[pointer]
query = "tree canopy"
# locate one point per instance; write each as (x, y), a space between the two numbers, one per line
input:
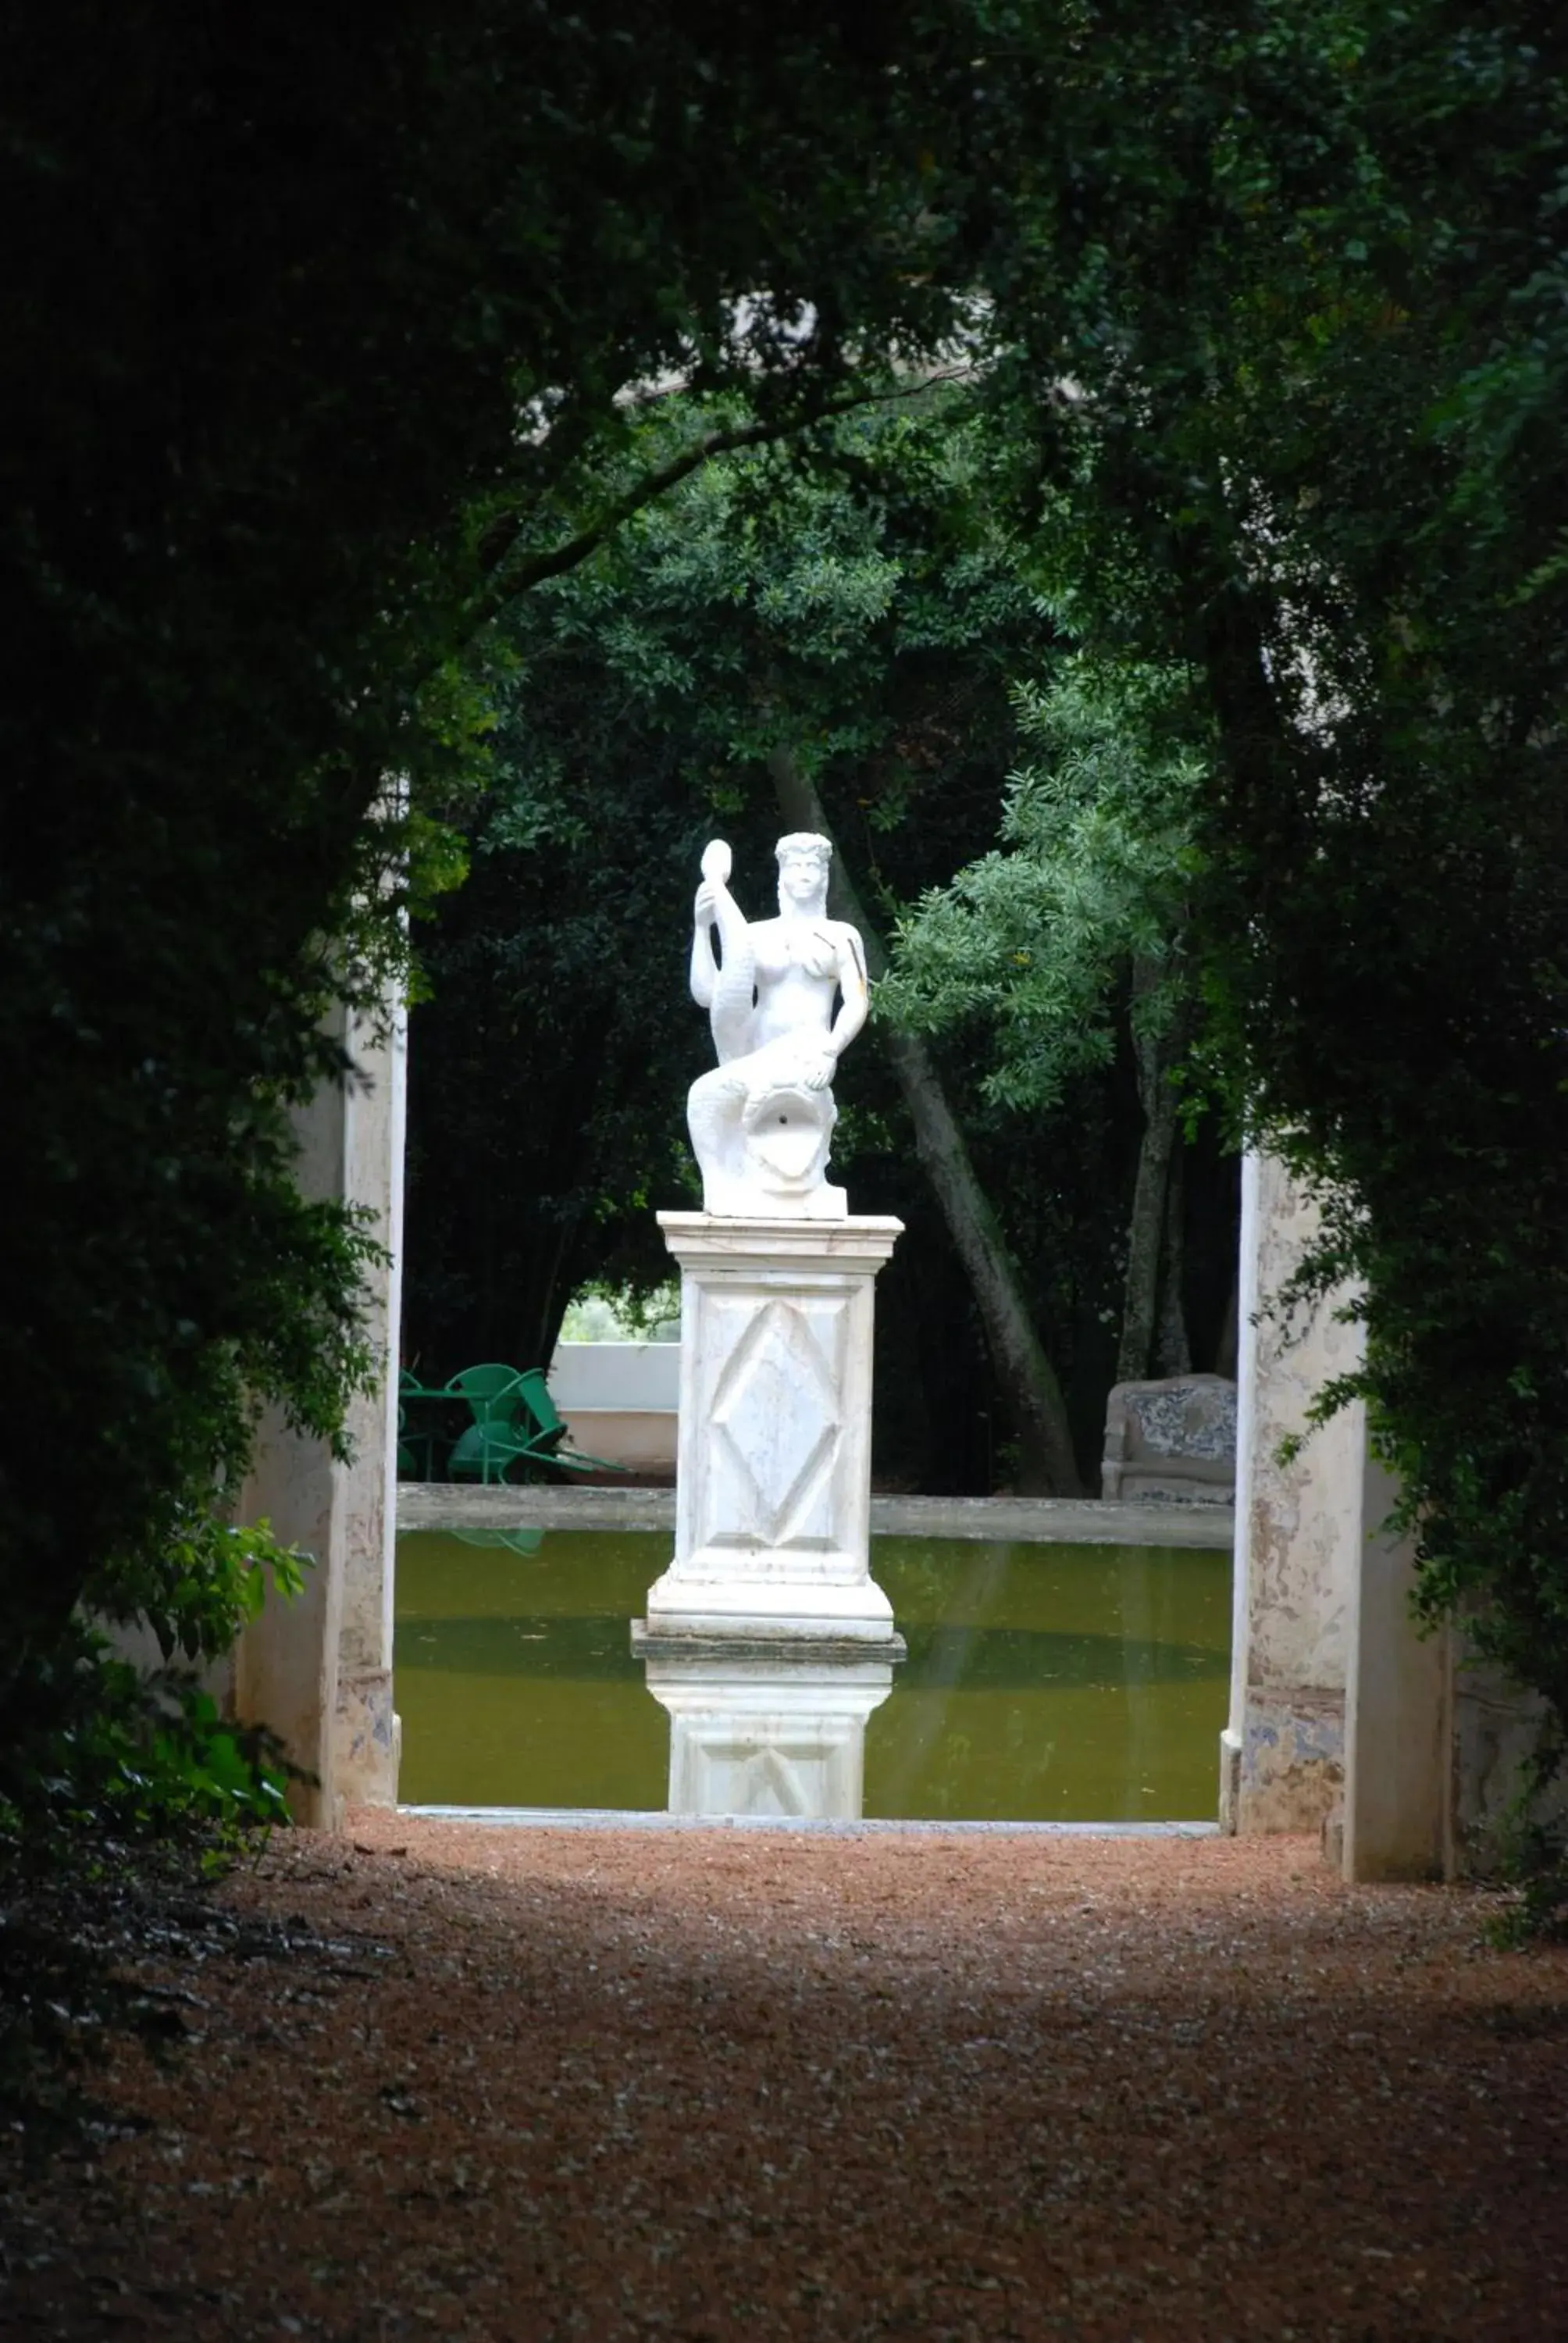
(851, 605)
(1304, 315)
(305, 334)
(323, 345)
(309, 324)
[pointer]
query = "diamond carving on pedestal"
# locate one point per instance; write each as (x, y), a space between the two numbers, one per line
(775, 1413)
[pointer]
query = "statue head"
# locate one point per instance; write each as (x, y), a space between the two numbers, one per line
(804, 859)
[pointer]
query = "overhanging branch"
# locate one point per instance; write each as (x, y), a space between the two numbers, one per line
(509, 579)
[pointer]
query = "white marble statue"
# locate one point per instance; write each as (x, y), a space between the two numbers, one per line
(762, 1123)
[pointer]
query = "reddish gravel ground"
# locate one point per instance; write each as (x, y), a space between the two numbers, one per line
(709, 2085)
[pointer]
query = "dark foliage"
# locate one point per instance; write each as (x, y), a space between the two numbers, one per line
(857, 595)
(1302, 307)
(307, 322)
(307, 325)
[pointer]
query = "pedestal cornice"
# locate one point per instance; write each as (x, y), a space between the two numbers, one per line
(801, 1243)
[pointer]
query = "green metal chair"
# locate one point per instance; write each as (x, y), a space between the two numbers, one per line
(418, 1442)
(488, 1452)
(516, 1423)
(502, 1432)
(490, 1391)
(552, 1428)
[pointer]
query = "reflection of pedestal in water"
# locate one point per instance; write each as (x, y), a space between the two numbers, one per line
(784, 1736)
(773, 1478)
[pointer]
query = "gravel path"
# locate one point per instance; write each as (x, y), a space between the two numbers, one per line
(489, 2084)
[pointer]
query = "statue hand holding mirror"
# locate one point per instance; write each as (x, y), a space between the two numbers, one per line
(762, 1122)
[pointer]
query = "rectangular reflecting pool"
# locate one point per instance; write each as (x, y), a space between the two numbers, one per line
(1044, 1683)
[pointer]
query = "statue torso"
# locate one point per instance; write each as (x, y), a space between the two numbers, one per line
(796, 962)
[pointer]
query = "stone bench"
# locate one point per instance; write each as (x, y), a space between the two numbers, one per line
(1172, 1442)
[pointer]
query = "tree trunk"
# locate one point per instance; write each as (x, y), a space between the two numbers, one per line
(1140, 1311)
(1228, 1351)
(1141, 1294)
(1172, 1347)
(1028, 1391)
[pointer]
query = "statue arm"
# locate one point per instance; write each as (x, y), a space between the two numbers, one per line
(855, 1002)
(849, 973)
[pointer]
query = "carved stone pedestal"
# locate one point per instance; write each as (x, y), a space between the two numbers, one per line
(784, 1736)
(773, 1477)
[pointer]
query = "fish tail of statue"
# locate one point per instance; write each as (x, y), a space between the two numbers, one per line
(731, 1011)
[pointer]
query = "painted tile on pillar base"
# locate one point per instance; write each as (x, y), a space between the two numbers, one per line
(1287, 1767)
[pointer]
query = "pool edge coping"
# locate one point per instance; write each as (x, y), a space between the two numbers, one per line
(642, 1818)
(445, 1508)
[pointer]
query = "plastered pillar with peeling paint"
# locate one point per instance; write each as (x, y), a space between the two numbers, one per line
(1339, 1705)
(1298, 1532)
(1398, 1725)
(318, 1670)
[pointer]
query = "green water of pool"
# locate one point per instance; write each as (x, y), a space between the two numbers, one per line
(1044, 1683)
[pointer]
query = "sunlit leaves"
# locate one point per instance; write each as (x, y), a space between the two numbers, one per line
(1032, 943)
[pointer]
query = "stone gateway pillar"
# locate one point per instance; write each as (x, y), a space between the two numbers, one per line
(1298, 1533)
(1341, 1716)
(318, 1670)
